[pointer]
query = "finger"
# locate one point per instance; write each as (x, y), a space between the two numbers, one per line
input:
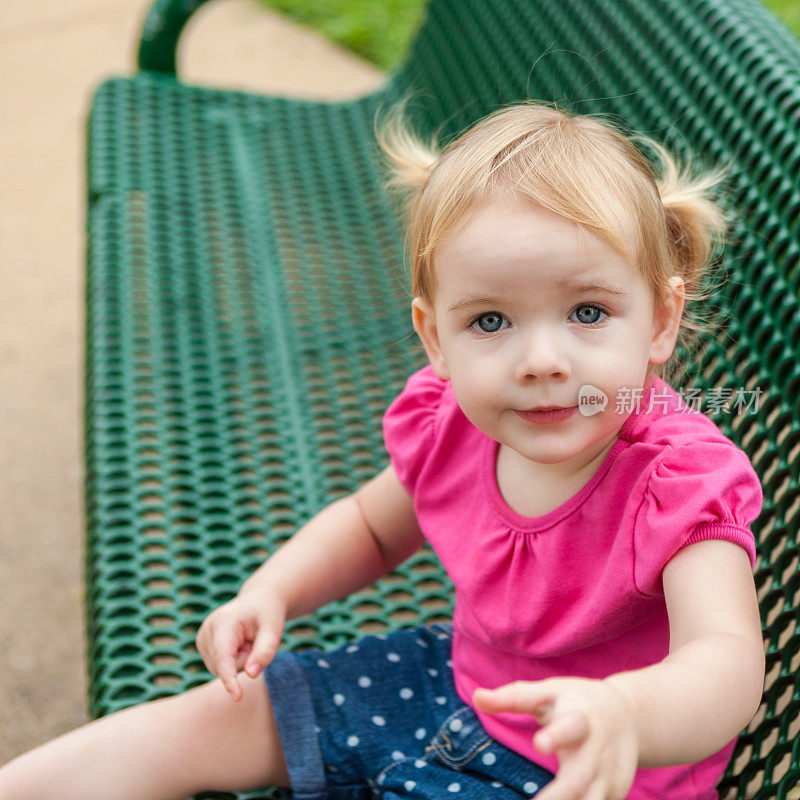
(226, 645)
(242, 655)
(204, 654)
(524, 696)
(567, 729)
(228, 639)
(201, 640)
(264, 649)
(205, 646)
(227, 674)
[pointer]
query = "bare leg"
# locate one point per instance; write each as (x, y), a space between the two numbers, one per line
(163, 750)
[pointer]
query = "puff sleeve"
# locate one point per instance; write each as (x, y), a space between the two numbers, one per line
(702, 490)
(409, 423)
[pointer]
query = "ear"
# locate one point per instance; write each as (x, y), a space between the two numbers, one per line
(425, 325)
(666, 323)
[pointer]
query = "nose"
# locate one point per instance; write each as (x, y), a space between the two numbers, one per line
(542, 356)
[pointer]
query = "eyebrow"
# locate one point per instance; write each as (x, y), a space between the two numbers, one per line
(578, 288)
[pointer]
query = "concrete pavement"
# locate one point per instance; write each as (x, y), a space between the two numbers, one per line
(52, 56)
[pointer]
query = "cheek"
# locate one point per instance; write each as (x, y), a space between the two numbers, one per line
(469, 363)
(620, 357)
(474, 389)
(481, 374)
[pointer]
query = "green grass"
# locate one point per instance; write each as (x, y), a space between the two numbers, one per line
(788, 11)
(377, 30)
(381, 30)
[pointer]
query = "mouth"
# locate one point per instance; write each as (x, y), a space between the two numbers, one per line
(548, 408)
(548, 414)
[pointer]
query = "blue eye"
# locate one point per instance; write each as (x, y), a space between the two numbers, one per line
(492, 321)
(488, 323)
(590, 318)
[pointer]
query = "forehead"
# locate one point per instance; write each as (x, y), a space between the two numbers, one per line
(511, 241)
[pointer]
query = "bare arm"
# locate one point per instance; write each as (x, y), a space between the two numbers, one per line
(345, 547)
(691, 704)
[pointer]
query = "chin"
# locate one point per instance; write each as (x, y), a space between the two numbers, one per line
(547, 455)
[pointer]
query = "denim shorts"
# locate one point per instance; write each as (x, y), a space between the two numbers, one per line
(381, 718)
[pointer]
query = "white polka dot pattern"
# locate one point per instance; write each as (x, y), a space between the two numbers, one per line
(372, 692)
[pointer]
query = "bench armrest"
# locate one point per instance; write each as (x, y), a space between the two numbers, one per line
(162, 27)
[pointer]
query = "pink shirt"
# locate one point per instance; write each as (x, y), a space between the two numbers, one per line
(576, 591)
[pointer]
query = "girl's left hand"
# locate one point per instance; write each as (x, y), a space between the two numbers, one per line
(588, 724)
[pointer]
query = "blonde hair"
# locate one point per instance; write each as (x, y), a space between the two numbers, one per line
(578, 166)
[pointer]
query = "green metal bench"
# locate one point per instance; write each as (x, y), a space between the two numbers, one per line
(249, 321)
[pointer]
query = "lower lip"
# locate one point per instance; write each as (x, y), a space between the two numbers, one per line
(548, 417)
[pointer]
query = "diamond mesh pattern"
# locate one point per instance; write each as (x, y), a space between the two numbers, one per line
(248, 314)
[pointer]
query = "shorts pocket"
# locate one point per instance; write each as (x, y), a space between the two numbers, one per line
(460, 738)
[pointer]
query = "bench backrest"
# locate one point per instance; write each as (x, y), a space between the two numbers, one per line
(248, 313)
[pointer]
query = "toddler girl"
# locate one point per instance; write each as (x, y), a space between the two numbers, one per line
(606, 641)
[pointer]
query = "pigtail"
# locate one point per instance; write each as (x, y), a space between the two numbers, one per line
(408, 162)
(696, 230)
(407, 158)
(696, 223)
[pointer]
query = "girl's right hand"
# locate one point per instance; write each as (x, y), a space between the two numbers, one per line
(242, 635)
